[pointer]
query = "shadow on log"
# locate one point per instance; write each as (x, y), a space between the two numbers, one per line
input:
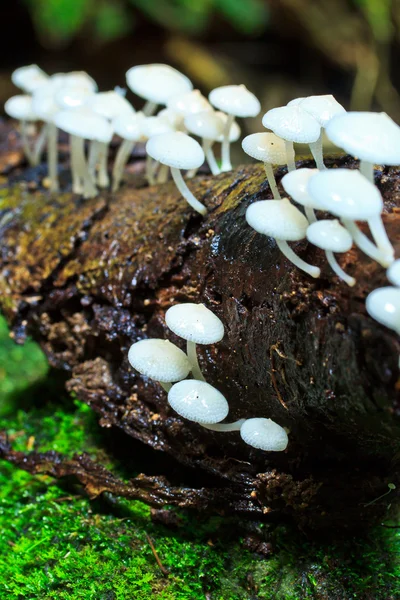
(87, 278)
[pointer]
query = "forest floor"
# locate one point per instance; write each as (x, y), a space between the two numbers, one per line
(56, 543)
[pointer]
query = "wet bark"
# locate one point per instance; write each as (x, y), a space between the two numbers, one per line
(86, 278)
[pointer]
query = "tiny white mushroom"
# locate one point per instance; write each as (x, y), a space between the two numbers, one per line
(349, 195)
(264, 434)
(159, 360)
(235, 101)
(20, 107)
(210, 127)
(393, 273)
(269, 149)
(156, 83)
(292, 124)
(188, 103)
(198, 401)
(178, 151)
(383, 305)
(196, 324)
(323, 108)
(79, 79)
(153, 126)
(29, 78)
(332, 237)
(295, 183)
(129, 127)
(284, 222)
(374, 138)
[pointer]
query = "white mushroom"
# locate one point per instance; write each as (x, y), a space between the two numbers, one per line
(292, 124)
(264, 434)
(284, 222)
(153, 126)
(349, 195)
(79, 79)
(81, 124)
(156, 83)
(332, 237)
(29, 78)
(198, 401)
(374, 138)
(209, 127)
(323, 108)
(295, 183)
(196, 324)
(269, 149)
(383, 305)
(393, 273)
(188, 103)
(20, 107)
(159, 360)
(129, 127)
(178, 151)
(235, 101)
(45, 106)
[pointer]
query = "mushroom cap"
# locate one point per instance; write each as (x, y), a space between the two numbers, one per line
(206, 124)
(29, 78)
(266, 147)
(295, 101)
(235, 100)
(156, 126)
(72, 96)
(346, 193)
(295, 183)
(393, 273)
(44, 103)
(109, 105)
(84, 123)
(189, 103)
(373, 137)
(159, 360)
(264, 434)
(329, 235)
(79, 79)
(157, 82)
(278, 219)
(176, 149)
(195, 323)
(235, 131)
(198, 401)
(383, 305)
(323, 108)
(129, 126)
(173, 118)
(293, 124)
(20, 107)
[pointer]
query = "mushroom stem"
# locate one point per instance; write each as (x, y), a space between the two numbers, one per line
(77, 181)
(338, 269)
(165, 386)
(210, 157)
(296, 260)
(310, 214)
(364, 243)
(25, 144)
(191, 173)
(124, 151)
(380, 236)
(194, 361)
(224, 427)
(225, 150)
(291, 165)
(162, 175)
(150, 170)
(269, 172)
(89, 189)
(149, 108)
(94, 151)
(367, 169)
(186, 193)
(102, 176)
(52, 156)
(316, 151)
(40, 144)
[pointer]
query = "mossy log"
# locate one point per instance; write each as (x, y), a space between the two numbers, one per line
(86, 278)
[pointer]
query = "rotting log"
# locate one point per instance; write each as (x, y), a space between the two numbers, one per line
(86, 278)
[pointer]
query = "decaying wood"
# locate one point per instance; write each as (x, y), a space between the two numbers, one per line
(86, 278)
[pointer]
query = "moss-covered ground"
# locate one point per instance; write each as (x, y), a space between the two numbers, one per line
(55, 543)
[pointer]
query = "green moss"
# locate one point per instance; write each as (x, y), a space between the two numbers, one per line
(55, 543)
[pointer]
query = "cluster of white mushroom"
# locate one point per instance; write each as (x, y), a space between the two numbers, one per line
(71, 102)
(195, 399)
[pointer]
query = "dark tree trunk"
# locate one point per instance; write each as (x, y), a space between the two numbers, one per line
(86, 278)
